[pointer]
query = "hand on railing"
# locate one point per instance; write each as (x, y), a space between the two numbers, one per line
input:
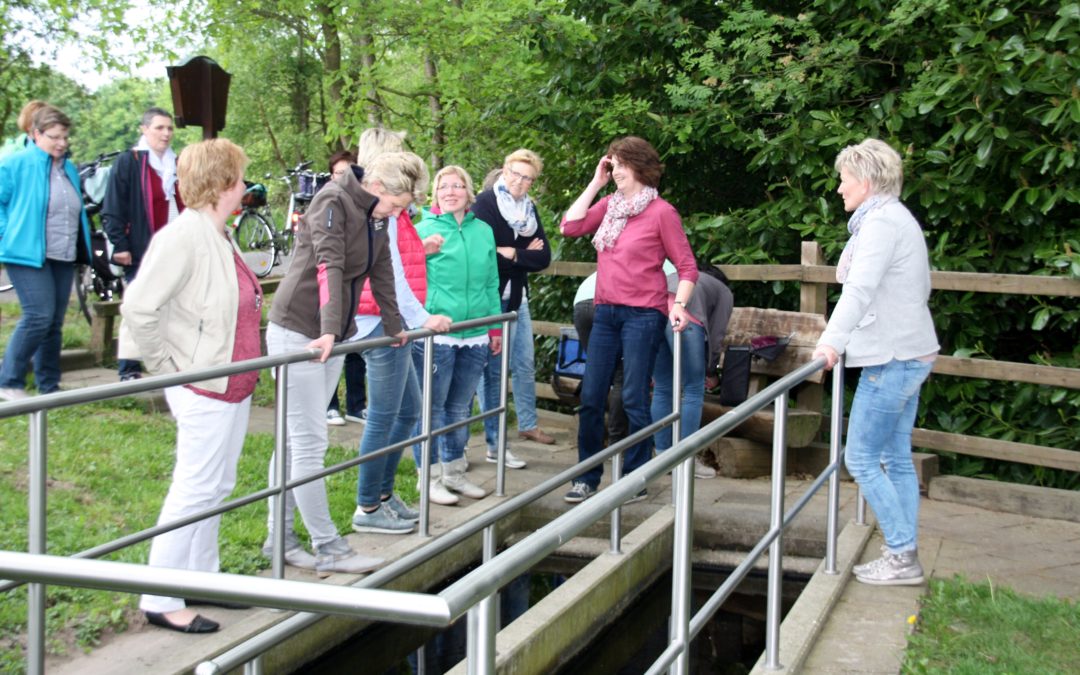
(438, 323)
(828, 353)
(324, 344)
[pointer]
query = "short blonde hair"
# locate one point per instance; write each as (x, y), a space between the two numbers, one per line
(457, 171)
(875, 161)
(208, 168)
(527, 156)
(398, 172)
(375, 141)
(26, 115)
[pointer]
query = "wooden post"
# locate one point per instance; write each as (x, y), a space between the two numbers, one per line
(813, 299)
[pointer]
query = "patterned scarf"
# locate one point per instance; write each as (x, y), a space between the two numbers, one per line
(855, 223)
(619, 209)
(519, 214)
(165, 166)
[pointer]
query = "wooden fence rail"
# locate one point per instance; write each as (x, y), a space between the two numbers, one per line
(814, 279)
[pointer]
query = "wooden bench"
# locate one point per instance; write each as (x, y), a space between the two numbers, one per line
(747, 451)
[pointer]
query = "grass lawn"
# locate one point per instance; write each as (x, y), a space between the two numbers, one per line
(971, 629)
(109, 469)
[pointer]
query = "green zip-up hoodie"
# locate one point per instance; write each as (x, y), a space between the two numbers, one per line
(463, 277)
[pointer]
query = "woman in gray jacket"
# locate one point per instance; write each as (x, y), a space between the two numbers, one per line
(883, 324)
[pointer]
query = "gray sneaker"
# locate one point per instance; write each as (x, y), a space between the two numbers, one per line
(338, 556)
(404, 512)
(579, 492)
(893, 569)
(382, 520)
(862, 569)
(295, 554)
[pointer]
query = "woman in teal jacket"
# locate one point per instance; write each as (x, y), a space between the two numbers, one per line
(463, 283)
(44, 233)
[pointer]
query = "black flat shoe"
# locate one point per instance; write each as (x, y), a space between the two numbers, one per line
(200, 624)
(207, 602)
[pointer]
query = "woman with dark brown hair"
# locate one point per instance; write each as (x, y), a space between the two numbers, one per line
(634, 230)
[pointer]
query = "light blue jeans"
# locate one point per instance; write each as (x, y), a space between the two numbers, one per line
(693, 382)
(453, 384)
(393, 411)
(522, 374)
(878, 453)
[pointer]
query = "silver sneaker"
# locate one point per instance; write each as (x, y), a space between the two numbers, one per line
(338, 556)
(13, 394)
(863, 568)
(512, 461)
(404, 512)
(893, 569)
(295, 554)
(382, 520)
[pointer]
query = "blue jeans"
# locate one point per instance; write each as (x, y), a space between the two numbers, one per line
(693, 381)
(522, 374)
(632, 333)
(878, 453)
(43, 294)
(453, 384)
(392, 416)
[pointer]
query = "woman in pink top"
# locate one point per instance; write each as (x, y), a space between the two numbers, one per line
(634, 230)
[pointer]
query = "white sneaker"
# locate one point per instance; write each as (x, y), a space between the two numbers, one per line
(512, 462)
(703, 470)
(453, 479)
(359, 419)
(334, 418)
(437, 494)
(12, 394)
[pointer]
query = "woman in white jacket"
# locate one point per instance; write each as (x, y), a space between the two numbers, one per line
(196, 304)
(883, 324)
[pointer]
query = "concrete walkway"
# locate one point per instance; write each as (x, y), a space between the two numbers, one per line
(836, 626)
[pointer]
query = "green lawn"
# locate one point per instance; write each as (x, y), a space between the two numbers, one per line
(109, 469)
(973, 629)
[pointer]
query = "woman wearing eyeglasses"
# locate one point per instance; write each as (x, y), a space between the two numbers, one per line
(521, 247)
(462, 283)
(44, 233)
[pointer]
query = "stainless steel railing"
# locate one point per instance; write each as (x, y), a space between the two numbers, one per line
(37, 409)
(475, 593)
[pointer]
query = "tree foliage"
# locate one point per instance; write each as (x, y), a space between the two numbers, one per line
(748, 103)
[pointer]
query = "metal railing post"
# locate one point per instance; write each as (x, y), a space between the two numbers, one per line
(504, 361)
(836, 439)
(860, 507)
(776, 523)
(37, 540)
(683, 495)
(254, 666)
(425, 445)
(281, 467)
(616, 513)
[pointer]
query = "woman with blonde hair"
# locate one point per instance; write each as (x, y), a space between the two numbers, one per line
(882, 323)
(196, 305)
(341, 242)
(463, 283)
(521, 247)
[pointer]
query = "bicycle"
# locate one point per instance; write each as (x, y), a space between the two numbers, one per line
(97, 277)
(261, 242)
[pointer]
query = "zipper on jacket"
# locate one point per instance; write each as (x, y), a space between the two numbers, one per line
(198, 339)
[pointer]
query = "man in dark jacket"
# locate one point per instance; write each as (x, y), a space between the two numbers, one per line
(142, 198)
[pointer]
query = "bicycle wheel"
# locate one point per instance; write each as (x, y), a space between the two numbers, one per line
(256, 242)
(84, 285)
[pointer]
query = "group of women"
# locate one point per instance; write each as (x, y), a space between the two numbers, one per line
(363, 270)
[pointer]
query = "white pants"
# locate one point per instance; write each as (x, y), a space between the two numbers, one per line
(310, 386)
(209, 438)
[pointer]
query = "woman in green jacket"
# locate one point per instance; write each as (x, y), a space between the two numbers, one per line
(463, 283)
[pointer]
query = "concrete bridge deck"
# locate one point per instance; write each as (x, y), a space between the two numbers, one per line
(835, 627)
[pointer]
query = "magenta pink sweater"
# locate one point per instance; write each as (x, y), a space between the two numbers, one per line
(631, 272)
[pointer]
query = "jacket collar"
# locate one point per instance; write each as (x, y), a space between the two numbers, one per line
(364, 200)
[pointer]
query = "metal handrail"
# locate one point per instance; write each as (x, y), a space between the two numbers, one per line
(474, 593)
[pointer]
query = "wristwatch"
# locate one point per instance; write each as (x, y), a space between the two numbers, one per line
(680, 303)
